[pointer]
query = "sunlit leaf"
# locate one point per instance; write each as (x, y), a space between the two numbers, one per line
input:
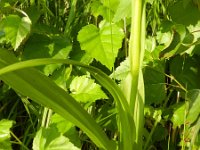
(61, 75)
(16, 29)
(85, 90)
(67, 128)
(98, 9)
(112, 4)
(178, 114)
(101, 43)
(123, 10)
(122, 71)
(5, 126)
(51, 139)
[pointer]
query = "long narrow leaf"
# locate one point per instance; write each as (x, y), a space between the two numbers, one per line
(32, 83)
(122, 105)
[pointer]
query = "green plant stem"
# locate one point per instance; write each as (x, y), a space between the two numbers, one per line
(18, 140)
(46, 117)
(135, 48)
(136, 52)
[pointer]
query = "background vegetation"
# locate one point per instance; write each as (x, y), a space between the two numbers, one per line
(68, 100)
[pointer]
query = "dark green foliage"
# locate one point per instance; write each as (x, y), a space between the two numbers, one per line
(96, 33)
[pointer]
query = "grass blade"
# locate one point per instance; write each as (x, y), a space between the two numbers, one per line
(126, 120)
(32, 83)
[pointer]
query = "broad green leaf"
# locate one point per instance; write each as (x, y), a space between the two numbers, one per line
(111, 4)
(150, 43)
(101, 43)
(188, 15)
(194, 105)
(5, 126)
(61, 75)
(32, 83)
(182, 42)
(160, 133)
(43, 46)
(97, 8)
(154, 80)
(33, 13)
(85, 89)
(164, 38)
(51, 139)
(80, 55)
(123, 10)
(61, 123)
(185, 70)
(178, 114)
(122, 71)
(66, 128)
(195, 32)
(16, 29)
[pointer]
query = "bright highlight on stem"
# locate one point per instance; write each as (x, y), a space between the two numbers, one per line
(136, 50)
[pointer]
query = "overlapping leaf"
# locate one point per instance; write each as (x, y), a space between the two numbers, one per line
(123, 10)
(51, 139)
(43, 46)
(101, 43)
(122, 71)
(66, 128)
(16, 29)
(85, 90)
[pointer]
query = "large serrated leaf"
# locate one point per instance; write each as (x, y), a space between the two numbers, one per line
(16, 29)
(101, 43)
(122, 71)
(51, 139)
(85, 89)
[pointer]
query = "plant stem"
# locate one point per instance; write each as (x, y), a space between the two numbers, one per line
(136, 52)
(18, 141)
(135, 48)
